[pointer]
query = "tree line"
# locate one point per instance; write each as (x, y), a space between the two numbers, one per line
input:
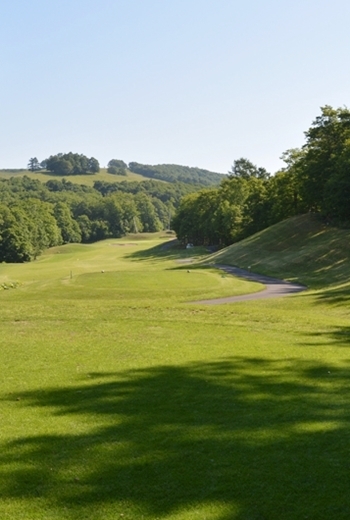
(316, 178)
(175, 172)
(66, 164)
(78, 164)
(35, 216)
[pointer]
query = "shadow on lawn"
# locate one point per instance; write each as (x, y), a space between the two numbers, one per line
(336, 296)
(266, 440)
(339, 336)
(169, 252)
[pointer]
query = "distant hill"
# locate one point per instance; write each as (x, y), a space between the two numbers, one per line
(87, 180)
(301, 248)
(177, 173)
(136, 172)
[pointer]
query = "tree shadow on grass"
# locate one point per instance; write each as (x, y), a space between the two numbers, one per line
(334, 296)
(339, 336)
(252, 438)
(177, 252)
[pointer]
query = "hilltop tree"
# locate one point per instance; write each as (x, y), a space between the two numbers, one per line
(71, 164)
(117, 167)
(93, 165)
(33, 164)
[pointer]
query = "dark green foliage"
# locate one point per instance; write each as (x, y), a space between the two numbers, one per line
(245, 169)
(33, 164)
(117, 167)
(38, 217)
(69, 228)
(148, 214)
(195, 219)
(164, 191)
(56, 185)
(93, 165)
(322, 166)
(85, 226)
(15, 244)
(26, 229)
(284, 198)
(22, 187)
(238, 208)
(316, 178)
(174, 172)
(71, 164)
(41, 215)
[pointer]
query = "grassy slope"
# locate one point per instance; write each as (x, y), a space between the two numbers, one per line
(121, 400)
(87, 180)
(300, 249)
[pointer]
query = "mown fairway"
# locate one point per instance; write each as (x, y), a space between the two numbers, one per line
(121, 400)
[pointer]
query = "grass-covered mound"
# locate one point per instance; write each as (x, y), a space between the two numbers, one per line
(303, 249)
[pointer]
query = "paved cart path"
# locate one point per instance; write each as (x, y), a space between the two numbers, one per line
(274, 288)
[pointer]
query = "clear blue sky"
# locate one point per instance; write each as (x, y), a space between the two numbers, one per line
(192, 82)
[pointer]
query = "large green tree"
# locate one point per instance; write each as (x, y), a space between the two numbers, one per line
(69, 228)
(117, 167)
(245, 169)
(38, 217)
(148, 214)
(71, 164)
(323, 168)
(33, 164)
(15, 239)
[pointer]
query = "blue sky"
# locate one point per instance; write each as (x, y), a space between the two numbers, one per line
(192, 82)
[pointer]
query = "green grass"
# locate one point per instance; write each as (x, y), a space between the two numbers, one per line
(298, 249)
(87, 180)
(119, 399)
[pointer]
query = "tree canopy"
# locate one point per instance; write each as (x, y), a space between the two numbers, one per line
(177, 173)
(33, 164)
(323, 165)
(245, 169)
(117, 167)
(34, 216)
(316, 178)
(71, 164)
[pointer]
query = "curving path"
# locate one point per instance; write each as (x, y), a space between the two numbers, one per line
(274, 288)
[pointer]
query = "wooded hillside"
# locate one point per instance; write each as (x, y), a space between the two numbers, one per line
(316, 178)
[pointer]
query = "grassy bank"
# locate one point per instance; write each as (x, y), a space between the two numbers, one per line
(121, 400)
(302, 248)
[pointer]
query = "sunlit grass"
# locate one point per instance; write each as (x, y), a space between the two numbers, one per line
(302, 248)
(119, 399)
(87, 180)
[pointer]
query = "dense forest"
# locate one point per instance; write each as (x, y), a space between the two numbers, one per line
(35, 216)
(174, 172)
(316, 178)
